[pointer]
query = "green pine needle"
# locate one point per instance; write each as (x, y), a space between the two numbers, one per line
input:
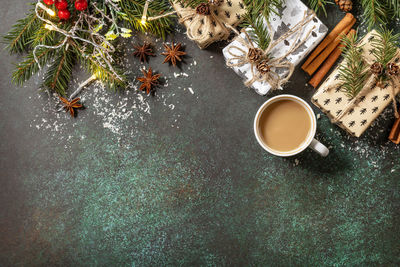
(19, 37)
(354, 72)
(192, 3)
(133, 11)
(28, 67)
(262, 7)
(30, 32)
(59, 73)
(258, 31)
(385, 46)
(319, 5)
(256, 11)
(380, 12)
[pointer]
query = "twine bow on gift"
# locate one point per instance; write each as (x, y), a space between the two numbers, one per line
(263, 66)
(392, 71)
(202, 19)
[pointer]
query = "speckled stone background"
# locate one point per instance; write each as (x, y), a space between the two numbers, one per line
(178, 179)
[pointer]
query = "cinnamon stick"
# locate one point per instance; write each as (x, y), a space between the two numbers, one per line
(329, 38)
(314, 65)
(394, 135)
(329, 62)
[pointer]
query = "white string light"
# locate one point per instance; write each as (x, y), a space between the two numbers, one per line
(48, 10)
(144, 16)
(102, 48)
(103, 51)
(144, 19)
(161, 16)
(49, 27)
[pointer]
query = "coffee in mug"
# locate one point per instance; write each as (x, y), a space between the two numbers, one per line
(285, 125)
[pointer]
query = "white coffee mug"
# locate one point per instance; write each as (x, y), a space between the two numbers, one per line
(310, 141)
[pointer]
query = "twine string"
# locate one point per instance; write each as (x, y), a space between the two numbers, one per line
(196, 21)
(274, 79)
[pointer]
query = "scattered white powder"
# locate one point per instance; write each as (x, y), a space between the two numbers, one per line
(182, 74)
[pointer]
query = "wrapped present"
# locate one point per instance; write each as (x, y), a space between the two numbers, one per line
(356, 114)
(207, 22)
(294, 31)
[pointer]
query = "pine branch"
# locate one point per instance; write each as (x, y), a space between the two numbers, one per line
(60, 71)
(353, 73)
(257, 30)
(262, 7)
(385, 46)
(133, 11)
(375, 12)
(18, 38)
(99, 69)
(395, 6)
(380, 12)
(43, 37)
(192, 3)
(319, 5)
(257, 11)
(28, 67)
(106, 76)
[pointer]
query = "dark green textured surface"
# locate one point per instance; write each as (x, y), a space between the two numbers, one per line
(186, 184)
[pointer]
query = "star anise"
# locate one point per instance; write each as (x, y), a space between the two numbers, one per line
(173, 53)
(71, 105)
(148, 80)
(143, 51)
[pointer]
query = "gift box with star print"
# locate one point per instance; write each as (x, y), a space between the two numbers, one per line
(332, 100)
(291, 13)
(206, 23)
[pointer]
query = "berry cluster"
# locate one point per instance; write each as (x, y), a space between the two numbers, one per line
(62, 6)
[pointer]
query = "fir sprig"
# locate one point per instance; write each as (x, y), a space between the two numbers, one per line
(395, 6)
(353, 73)
(19, 37)
(258, 12)
(106, 18)
(192, 3)
(384, 45)
(257, 30)
(384, 50)
(133, 11)
(262, 7)
(319, 5)
(25, 69)
(380, 11)
(59, 73)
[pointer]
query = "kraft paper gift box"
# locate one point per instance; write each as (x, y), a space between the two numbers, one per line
(332, 100)
(207, 29)
(287, 17)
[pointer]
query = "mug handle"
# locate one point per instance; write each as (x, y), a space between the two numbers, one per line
(319, 148)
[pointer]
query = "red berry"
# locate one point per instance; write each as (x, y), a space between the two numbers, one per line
(64, 14)
(61, 4)
(81, 5)
(48, 2)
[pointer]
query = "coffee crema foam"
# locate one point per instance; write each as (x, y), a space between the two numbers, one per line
(284, 125)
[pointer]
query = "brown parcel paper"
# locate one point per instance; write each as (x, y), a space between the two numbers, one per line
(332, 100)
(229, 11)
